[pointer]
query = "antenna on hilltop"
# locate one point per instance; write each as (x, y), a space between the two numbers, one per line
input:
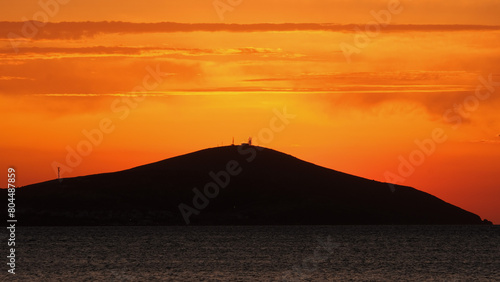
(233, 142)
(58, 172)
(250, 141)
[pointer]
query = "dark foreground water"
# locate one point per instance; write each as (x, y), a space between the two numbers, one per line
(255, 253)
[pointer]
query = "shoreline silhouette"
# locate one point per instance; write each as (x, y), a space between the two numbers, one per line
(231, 185)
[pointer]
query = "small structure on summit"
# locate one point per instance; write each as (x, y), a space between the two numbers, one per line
(249, 142)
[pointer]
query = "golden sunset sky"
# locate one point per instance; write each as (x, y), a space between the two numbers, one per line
(370, 83)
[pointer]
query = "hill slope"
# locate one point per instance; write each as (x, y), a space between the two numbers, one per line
(234, 185)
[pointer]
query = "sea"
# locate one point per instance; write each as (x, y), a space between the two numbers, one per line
(255, 253)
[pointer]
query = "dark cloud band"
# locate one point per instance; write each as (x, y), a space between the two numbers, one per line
(76, 30)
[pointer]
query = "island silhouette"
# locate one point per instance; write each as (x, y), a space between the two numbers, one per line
(231, 185)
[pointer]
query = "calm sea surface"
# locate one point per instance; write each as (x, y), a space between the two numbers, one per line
(255, 253)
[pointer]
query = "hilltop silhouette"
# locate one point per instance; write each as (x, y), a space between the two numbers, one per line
(235, 185)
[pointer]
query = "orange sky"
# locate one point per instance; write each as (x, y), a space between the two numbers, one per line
(209, 76)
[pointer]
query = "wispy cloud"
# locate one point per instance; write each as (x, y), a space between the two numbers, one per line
(5, 77)
(134, 51)
(486, 141)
